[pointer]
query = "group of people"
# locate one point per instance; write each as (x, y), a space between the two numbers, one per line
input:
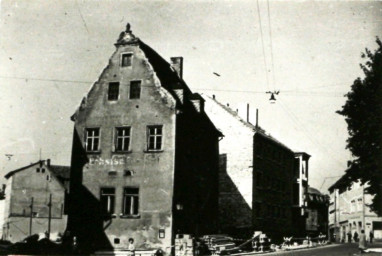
(355, 237)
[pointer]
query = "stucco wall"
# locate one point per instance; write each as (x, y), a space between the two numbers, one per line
(153, 173)
(235, 174)
(26, 184)
(349, 211)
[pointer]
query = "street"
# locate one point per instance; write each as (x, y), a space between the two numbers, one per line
(335, 250)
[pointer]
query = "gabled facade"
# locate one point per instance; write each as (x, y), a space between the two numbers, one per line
(27, 195)
(316, 213)
(144, 157)
(349, 211)
(255, 177)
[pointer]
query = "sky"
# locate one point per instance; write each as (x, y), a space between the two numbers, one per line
(52, 51)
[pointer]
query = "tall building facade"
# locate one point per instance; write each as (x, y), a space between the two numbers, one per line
(300, 192)
(255, 176)
(145, 155)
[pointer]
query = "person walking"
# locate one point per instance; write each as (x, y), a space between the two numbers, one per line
(356, 236)
(371, 236)
(362, 242)
(349, 237)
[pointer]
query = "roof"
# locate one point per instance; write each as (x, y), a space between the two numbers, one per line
(342, 182)
(9, 174)
(255, 129)
(61, 172)
(166, 74)
(312, 190)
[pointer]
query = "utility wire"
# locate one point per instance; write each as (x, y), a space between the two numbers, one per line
(262, 44)
(306, 132)
(271, 44)
(287, 92)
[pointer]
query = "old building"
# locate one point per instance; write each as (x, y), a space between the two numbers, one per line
(256, 176)
(349, 210)
(144, 157)
(316, 213)
(35, 201)
(300, 192)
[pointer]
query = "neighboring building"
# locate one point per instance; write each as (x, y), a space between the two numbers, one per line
(300, 192)
(255, 177)
(349, 210)
(316, 213)
(26, 209)
(144, 158)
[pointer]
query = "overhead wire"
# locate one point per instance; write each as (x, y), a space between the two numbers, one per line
(271, 44)
(262, 44)
(290, 92)
(306, 132)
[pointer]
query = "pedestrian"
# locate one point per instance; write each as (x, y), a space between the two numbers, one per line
(349, 237)
(371, 236)
(362, 242)
(131, 247)
(355, 236)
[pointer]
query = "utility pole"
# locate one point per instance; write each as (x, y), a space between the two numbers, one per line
(31, 217)
(363, 208)
(50, 214)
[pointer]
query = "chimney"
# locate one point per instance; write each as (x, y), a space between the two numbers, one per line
(48, 162)
(177, 64)
(257, 118)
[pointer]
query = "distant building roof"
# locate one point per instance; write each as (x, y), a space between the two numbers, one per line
(312, 190)
(61, 172)
(341, 183)
(254, 128)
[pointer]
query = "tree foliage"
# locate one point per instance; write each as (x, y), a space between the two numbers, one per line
(363, 115)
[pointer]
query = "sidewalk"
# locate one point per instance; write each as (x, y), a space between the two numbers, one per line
(376, 246)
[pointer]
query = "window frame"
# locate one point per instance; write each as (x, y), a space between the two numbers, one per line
(131, 59)
(86, 140)
(131, 90)
(108, 91)
(148, 136)
(113, 203)
(129, 215)
(116, 150)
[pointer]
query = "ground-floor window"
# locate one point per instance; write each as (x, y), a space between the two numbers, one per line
(131, 201)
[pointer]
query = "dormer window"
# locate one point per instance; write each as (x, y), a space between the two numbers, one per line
(113, 91)
(126, 59)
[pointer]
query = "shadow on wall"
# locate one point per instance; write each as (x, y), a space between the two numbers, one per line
(235, 215)
(85, 219)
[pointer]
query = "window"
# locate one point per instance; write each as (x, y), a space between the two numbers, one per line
(130, 201)
(122, 141)
(360, 204)
(352, 206)
(126, 59)
(113, 91)
(107, 200)
(154, 137)
(92, 139)
(135, 89)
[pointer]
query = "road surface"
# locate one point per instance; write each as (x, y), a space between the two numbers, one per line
(329, 250)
